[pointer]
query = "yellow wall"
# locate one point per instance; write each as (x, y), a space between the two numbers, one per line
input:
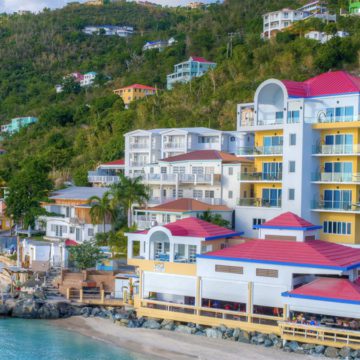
(353, 188)
(168, 267)
(334, 131)
(259, 136)
(258, 188)
(354, 219)
(337, 125)
(260, 160)
(353, 159)
(129, 94)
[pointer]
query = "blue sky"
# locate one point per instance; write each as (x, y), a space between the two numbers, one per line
(36, 5)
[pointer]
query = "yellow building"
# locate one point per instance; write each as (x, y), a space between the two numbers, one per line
(134, 92)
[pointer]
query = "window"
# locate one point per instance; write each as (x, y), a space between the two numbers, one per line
(230, 170)
(279, 115)
(209, 194)
(192, 253)
(72, 230)
(271, 197)
(179, 170)
(90, 232)
(180, 193)
(178, 217)
(67, 212)
(229, 269)
(197, 194)
(267, 273)
(163, 170)
(232, 138)
(197, 170)
(230, 194)
(337, 199)
(257, 221)
(337, 228)
(291, 194)
(206, 248)
(291, 166)
(292, 140)
(293, 117)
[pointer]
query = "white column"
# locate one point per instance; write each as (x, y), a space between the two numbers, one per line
(130, 249)
(172, 252)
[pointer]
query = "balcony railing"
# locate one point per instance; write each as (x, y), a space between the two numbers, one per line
(336, 177)
(137, 163)
(258, 202)
(174, 145)
(140, 146)
(182, 178)
(335, 206)
(337, 149)
(103, 179)
(259, 176)
(265, 122)
(260, 150)
(333, 119)
(207, 200)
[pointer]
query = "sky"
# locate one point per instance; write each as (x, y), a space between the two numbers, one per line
(37, 5)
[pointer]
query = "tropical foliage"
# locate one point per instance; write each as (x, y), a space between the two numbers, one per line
(85, 255)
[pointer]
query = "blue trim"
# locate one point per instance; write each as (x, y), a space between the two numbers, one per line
(320, 298)
(224, 236)
(279, 263)
(314, 227)
(320, 96)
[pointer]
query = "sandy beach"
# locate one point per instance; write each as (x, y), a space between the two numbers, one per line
(162, 344)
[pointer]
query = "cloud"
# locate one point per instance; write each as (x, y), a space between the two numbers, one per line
(38, 5)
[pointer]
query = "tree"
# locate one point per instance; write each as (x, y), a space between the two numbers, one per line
(71, 86)
(85, 255)
(216, 219)
(127, 192)
(27, 188)
(101, 209)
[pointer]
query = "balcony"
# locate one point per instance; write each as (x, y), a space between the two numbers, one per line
(330, 177)
(174, 145)
(260, 151)
(207, 200)
(260, 177)
(95, 178)
(258, 202)
(140, 146)
(343, 149)
(137, 163)
(207, 179)
(335, 206)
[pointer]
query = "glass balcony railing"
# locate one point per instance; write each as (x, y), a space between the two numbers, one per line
(336, 177)
(259, 176)
(258, 202)
(260, 150)
(335, 206)
(336, 149)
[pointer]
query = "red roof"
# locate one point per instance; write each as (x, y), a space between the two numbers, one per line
(330, 83)
(139, 86)
(115, 162)
(207, 155)
(328, 289)
(201, 59)
(314, 253)
(69, 242)
(288, 220)
(194, 227)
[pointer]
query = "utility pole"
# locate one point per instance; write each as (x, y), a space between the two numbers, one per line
(231, 36)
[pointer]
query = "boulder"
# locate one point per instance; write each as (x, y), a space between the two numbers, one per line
(185, 329)
(168, 325)
(200, 333)
(151, 324)
(268, 343)
(236, 334)
(86, 311)
(331, 352)
(49, 311)
(260, 339)
(213, 333)
(319, 349)
(274, 338)
(345, 352)
(244, 337)
(292, 345)
(95, 311)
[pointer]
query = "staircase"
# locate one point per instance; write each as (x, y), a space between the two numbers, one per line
(52, 292)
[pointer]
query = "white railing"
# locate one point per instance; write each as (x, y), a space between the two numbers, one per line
(182, 178)
(137, 163)
(140, 146)
(261, 150)
(174, 145)
(337, 177)
(337, 149)
(103, 179)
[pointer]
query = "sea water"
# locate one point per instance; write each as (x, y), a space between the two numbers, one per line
(39, 340)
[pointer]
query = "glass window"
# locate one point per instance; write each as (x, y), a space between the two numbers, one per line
(292, 140)
(337, 227)
(291, 166)
(293, 117)
(230, 195)
(291, 194)
(230, 170)
(197, 193)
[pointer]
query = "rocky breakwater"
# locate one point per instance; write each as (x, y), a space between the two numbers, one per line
(129, 319)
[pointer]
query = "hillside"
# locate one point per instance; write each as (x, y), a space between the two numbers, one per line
(76, 131)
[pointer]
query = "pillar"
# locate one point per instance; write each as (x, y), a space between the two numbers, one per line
(102, 293)
(68, 293)
(249, 305)
(81, 294)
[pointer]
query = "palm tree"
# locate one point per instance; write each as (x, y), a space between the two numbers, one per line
(101, 209)
(127, 192)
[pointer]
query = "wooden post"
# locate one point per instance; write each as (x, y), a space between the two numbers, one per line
(81, 294)
(141, 284)
(102, 292)
(285, 314)
(198, 295)
(249, 307)
(68, 293)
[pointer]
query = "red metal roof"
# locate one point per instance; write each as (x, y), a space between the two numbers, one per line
(115, 162)
(139, 86)
(200, 59)
(328, 288)
(316, 253)
(69, 242)
(288, 220)
(194, 227)
(207, 155)
(330, 83)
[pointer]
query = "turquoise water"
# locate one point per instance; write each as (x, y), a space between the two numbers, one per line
(39, 340)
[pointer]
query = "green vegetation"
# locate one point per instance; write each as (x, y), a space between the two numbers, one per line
(80, 128)
(85, 255)
(215, 219)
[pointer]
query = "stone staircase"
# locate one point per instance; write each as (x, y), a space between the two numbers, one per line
(52, 292)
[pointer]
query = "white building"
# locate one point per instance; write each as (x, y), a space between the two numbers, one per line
(144, 147)
(69, 215)
(107, 174)
(210, 176)
(109, 30)
(172, 211)
(276, 21)
(159, 44)
(323, 37)
(305, 135)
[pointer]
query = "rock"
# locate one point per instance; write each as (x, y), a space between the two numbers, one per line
(95, 311)
(244, 337)
(222, 328)
(168, 325)
(278, 345)
(151, 324)
(192, 325)
(355, 354)
(86, 311)
(331, 352)
(236, 334)
(268, 343)
(274, 338)
(49, 311)
(200, 333)
(293, 346)
(185, 329)
(308, 346)
(319, 349)
(120, 316)
(213, 333)
(260, 339)
(4, 310)
(141, 321)
(228, 334)
(345, 352)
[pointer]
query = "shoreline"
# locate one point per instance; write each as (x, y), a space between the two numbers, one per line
(163, 344)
